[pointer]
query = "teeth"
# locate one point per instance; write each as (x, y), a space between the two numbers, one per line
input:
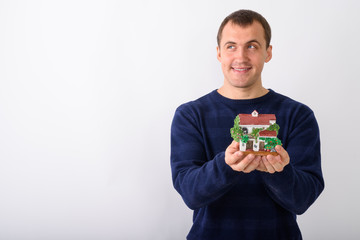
(241, 69)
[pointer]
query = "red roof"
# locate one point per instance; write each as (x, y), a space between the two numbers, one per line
(267, 133)
(261, 119)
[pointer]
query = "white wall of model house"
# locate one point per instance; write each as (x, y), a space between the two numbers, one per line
(250, 128)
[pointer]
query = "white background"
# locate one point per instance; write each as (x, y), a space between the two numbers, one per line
(88, 90)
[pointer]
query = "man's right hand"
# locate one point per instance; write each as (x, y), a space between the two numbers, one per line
(240, 162)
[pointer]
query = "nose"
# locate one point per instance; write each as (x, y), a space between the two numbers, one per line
(241, 54)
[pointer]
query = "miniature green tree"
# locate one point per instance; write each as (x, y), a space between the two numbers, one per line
(274, 127)
(270, 143)
(236, 132)
(255, 133)
(245, 139)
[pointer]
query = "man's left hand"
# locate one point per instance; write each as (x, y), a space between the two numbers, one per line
(272, 164)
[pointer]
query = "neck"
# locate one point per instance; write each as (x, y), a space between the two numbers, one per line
(242, 93)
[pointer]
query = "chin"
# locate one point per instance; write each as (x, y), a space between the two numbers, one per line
(242, 86)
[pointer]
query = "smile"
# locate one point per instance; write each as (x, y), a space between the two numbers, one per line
(242, 69)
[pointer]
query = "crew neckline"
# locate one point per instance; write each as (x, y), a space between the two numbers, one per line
(263, 98)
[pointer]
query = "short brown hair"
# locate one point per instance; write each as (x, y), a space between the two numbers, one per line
(245, 18)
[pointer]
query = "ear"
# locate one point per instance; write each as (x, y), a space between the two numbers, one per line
(269, 54)
(218, 53)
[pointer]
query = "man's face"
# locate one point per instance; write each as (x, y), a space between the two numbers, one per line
(242, 54)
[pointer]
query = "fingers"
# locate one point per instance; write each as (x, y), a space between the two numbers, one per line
(232, 158)
(276, 163)
(233, 147)
(239, 162)
(283, 154)
(262, 167)
(269, 162)
(247, 164)
(232, 154)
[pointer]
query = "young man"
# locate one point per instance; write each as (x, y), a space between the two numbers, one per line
(237, 196)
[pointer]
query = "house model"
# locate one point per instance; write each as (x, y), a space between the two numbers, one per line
(256, 132)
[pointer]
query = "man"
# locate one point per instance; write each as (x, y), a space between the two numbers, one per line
(233, 195)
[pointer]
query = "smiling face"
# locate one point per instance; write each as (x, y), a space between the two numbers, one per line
(242, 53)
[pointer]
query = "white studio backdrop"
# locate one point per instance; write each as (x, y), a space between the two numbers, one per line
(88, 90)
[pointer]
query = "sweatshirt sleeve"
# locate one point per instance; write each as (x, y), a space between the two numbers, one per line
(199, 180)
(301, 181)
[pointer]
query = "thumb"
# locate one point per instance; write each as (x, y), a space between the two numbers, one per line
(282, 152)
(233, 147)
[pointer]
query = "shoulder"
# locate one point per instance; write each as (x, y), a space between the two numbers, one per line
(290, 105)
(293, 116)
(198, 105)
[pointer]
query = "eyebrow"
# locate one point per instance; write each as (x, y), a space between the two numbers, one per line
(229, 42)
(251, 41)
(254, 41)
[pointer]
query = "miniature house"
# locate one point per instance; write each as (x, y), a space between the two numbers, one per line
(255, 132)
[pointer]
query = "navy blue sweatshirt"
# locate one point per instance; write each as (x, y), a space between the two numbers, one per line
(234, 205)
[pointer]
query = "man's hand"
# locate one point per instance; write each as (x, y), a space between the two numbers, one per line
(274, 164)
(238, 161)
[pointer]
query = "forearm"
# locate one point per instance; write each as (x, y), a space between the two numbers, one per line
(301, 181)
(295, 190)
(199, 174)
(201, 185)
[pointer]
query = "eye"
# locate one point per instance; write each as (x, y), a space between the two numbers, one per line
(252, 47)
(230, 47)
